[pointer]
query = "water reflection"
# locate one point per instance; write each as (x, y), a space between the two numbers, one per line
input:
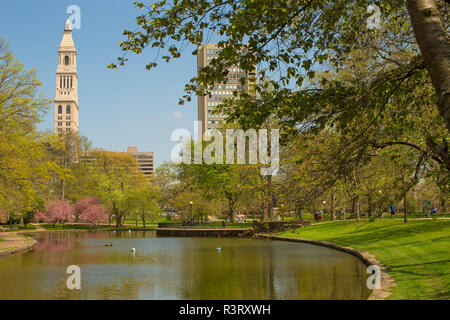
(179, 268)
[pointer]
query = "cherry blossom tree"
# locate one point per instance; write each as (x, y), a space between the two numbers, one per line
(57, 211)
(94, 214)
(39, 216)
(84, 204)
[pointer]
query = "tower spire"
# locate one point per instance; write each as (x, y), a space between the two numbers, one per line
(66, 98)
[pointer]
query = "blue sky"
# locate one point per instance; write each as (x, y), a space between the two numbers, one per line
(118, 108)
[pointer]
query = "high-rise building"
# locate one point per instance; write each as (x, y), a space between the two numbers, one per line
(206, 113)
(144, 160)
(66, 99)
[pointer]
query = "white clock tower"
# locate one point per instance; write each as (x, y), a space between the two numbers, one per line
(66, 98)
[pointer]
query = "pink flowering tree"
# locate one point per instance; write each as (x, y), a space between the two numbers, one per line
(83, 204)
(39, 216)
(57, 211)
(94, 215)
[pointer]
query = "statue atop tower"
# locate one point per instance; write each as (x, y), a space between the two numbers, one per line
(68, 26)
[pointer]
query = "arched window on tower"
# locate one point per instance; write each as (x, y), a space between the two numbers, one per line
(59, 109)
(66, 60)
(68, 109)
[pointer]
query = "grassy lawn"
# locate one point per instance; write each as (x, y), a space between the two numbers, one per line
(17, 227)
(416, 254)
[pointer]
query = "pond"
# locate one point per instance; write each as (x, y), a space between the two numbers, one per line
(179, 268)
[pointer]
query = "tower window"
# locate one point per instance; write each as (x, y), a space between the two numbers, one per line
(66, 60)
(59, 109)
(68, 109)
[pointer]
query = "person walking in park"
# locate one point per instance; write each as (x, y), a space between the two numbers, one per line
(392, 210)
(433, 211)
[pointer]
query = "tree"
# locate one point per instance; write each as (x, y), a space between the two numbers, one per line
(94, 214)
(166, 179)
(24, 165)
(143, 202)
(83, 204)
(294, 39)
(67, 151)
(56, 211)
(432, 38)
(114, 177)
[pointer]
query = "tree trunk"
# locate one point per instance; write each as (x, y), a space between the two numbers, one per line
(143, 220)
(358, 208)
(405, 209)
(369, 205)
(435, 49)
(298, 213)
(333, 209)
(118, 220)
(63, 189)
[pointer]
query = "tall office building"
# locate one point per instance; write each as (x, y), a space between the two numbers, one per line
(66, 99)
(206, 114)
(144, 160)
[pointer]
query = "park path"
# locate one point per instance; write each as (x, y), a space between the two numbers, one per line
(38, 227)
(14, 242)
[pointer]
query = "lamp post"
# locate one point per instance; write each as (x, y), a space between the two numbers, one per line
(191, 203)
(324, 203)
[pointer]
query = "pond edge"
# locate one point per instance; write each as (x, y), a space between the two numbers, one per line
(25, 244)
(387, 281)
